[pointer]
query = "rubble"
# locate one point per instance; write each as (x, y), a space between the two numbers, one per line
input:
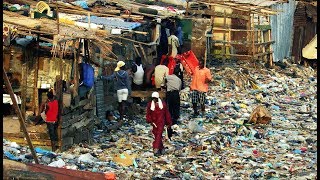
(220, 144)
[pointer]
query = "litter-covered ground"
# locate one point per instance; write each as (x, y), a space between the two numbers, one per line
(220, 144)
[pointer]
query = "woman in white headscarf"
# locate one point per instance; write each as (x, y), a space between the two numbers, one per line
(158, 115)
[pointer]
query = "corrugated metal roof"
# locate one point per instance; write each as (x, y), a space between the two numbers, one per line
(111, 23)
(263, 3)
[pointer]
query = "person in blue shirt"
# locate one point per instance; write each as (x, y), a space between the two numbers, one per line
(122, 85)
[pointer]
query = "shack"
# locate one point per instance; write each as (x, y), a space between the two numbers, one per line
(49, 55)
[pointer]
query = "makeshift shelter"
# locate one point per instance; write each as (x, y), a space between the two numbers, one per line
(239, 29)
(67, 43)
(66, 35)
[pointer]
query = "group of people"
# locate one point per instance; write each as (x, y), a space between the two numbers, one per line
(161, 113)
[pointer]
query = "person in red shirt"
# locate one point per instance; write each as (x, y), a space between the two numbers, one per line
(158, 116)
(199, 87)
(50, 107)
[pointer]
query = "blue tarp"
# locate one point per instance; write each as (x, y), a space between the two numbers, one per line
(112, 23)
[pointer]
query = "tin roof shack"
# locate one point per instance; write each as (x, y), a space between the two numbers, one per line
(305, 28)
(66, 43)
(240, 30)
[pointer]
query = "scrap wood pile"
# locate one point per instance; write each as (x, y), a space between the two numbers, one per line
(247, 133)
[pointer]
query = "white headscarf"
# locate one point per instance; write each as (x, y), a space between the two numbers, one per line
(153, 106)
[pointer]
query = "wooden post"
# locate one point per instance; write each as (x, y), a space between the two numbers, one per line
(264, 47)
(58, 24)
(21, 119)
(75, 71)
(252, 36)
(259, 36)
(24, 89)
(89, 20)
(60, 100)
(76, 75)
(143, 53)
(224, 35)
(187, 9)
(35, 88)
(270, 47)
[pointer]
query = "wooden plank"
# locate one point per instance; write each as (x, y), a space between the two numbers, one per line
(253, 38)
(143, 52)
(239, 55)
(120, 37)
(36, 142)
(18, 111)
(270, 47)
(146, 94)
(35, 84)
(224, 36)
(24, 89)
(229, 29)
(219, 14)
(76, 118)
(262, 54)
(264, 43)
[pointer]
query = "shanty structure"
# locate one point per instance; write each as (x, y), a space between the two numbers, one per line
(43, 49)
(239, 29)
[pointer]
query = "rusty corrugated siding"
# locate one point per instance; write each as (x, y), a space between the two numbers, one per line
(305, 28)
(300, 15)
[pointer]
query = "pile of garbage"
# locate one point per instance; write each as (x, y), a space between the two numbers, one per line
(266, 128)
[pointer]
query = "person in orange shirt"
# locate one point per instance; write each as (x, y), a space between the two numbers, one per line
(199, 87)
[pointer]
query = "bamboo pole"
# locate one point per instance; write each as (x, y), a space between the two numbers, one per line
(18, 111)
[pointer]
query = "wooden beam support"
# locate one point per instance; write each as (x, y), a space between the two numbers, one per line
(270, 47)
(224, 35)
(18, 111)
(219, 14)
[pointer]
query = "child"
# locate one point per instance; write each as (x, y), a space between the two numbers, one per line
(158, 116)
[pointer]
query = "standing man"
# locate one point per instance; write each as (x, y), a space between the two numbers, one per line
(160, 72)
(199, 87)
(173, 44)
(122, 85)
(137, 78)
(158, 116)
(173, 83)
(50, 109)
(138, 74)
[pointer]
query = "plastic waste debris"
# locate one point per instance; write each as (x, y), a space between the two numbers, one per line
(59, 163)
(86, 158)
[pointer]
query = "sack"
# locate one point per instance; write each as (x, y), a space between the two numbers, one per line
(260, 115)
(43, 116)
(87, 74)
